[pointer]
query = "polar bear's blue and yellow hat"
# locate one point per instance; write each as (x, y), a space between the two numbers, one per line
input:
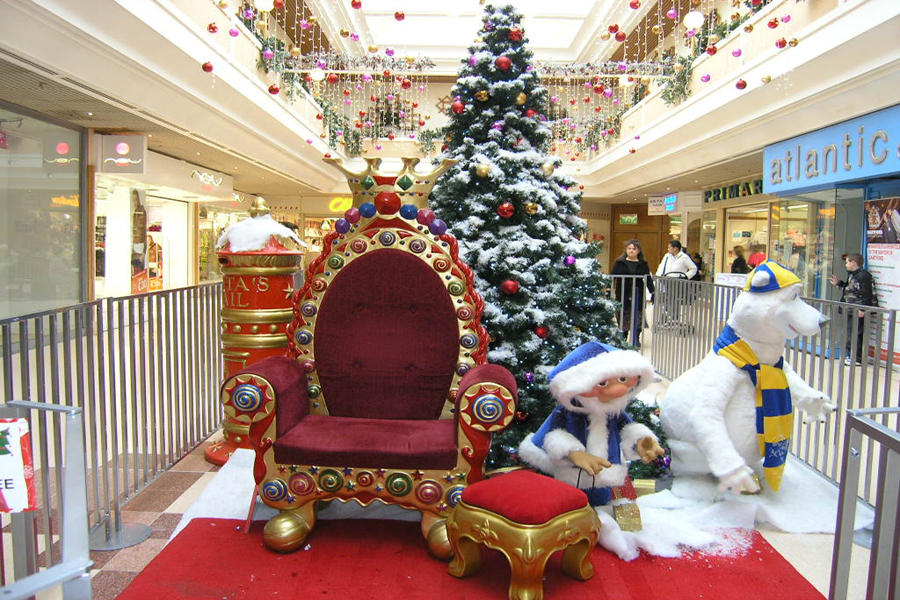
(777, 277)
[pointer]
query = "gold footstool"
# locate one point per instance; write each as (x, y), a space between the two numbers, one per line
(527, 517)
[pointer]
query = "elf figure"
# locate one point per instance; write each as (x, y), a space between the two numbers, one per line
(584, 438)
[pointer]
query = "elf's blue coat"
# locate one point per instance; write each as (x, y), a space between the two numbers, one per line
(578, 425)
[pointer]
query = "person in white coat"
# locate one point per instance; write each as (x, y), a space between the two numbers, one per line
(675, 264)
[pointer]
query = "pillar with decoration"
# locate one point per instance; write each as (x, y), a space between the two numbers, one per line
(259, 258)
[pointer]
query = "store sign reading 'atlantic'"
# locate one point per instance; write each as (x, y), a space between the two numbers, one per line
(868, 146)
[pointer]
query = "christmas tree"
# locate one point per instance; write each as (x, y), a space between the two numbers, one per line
(516, 218)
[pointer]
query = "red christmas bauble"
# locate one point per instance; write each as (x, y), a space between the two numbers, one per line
(399, 15)
(740, 84)
(530, 113)
(503, 63)
(278, 4)
(598, 89)
(515, 34)
(458, 108)
(711, 50)
(613, 28)
(421, 123)
(357, 4)
(274, 89)
(390, 136)
(621, 36)
(320, 116)
(212, 28)
(781, 43)
(542, 332)
(387, 203)
(444, 147)
(634, 4)
(332, 78)
(386, 73)
(509, 287)
(773, 23)
(207, 67)
(506, 210)
(406, 84)
(610, 131)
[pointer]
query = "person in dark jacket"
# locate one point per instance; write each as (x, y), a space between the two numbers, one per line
(858, 289)
(630, 290)
(740, 263)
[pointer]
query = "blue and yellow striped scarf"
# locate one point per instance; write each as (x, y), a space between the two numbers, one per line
(774, 413)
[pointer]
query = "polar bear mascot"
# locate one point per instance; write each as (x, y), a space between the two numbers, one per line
(735, 408)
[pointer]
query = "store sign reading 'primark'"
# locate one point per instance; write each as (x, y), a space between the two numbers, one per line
(865, 147)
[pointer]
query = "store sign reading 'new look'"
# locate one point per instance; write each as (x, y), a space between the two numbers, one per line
(865, 147)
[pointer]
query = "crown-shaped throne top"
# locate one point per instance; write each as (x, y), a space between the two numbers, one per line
(391, 188)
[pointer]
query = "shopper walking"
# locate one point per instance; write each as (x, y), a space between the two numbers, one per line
(674, 265)
(630, 290)
(740, 263)
(859, 288)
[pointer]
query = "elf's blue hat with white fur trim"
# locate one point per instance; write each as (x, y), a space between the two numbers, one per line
(593, 362)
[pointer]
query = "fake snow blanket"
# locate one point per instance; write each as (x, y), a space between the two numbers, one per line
(692, 515)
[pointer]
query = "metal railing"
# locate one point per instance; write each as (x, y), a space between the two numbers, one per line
(687, 316)
(71, 568)
(862, 430)
(145, 369)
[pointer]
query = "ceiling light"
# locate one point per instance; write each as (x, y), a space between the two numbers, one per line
(265, 5)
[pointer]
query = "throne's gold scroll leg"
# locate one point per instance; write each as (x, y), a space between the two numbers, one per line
(576, 560)
(287, 530)
(434, 528)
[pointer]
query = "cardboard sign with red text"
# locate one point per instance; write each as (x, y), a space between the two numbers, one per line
(16, 467)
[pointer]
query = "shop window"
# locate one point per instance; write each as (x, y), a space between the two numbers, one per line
(314, 232)
(747, 236)
(708, 244)
(213, 220)
(40, 222)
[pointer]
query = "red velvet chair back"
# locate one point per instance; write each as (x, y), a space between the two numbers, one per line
(386, 339)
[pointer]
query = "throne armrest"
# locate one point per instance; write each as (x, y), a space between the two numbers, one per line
(485, 404)
(272, 387)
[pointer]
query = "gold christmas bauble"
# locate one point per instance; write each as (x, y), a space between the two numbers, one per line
(483, 170)
(748, 28)
(262, 27)
(655, 29)
(223, 4)
(766, 79)
(478, 40)
(548, 168)
(714, 39)
(522, 98)
(345, 33)
(285, 532)
(482, 95)
(295, 51)
(312, 21)
(427, 117)
(530, 208)
(373, 48)
(604, 36)
(678, 67)
(645, 80)
(410, 60)
(793, 42)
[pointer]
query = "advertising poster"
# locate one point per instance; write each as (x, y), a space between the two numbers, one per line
(140, 278)
(883, 258)
(17, 491)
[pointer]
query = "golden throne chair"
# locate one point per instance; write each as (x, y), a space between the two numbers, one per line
(385, 394)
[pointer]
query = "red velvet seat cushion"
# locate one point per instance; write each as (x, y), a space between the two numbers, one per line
(525, 497)
(372, 443)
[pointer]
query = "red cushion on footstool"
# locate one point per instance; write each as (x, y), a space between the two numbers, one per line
(525, 497)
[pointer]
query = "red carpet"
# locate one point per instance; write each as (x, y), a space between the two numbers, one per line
(369, 559)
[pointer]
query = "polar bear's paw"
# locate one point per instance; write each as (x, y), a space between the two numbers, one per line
(738, 481)
(817, 408)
